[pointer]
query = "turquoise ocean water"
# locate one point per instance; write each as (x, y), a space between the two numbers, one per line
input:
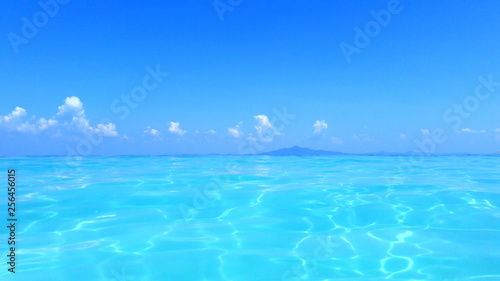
(254, 218)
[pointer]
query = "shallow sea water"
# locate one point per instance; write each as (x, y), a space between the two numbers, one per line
(255, 218)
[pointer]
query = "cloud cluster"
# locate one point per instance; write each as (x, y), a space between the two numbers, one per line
(175, 129)
(236, 131)
(16, 114)
(72, 106)
(152, 132)
(264, 129)
(14, 121)
(319, 127)
(263, 125)
(70, 117)
(469, 131)
(108, 130)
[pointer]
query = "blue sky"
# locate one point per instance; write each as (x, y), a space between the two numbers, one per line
(213, 76)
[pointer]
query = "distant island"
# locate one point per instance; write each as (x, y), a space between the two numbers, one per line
(304, 151)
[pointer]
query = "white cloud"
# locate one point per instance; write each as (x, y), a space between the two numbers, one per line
(152, 132)
(26, 127)
(425, 132)
(236, 131)
(469, 131)
(13, 121)
(264, 129)
(336, 140)
(212, 132)
(15, 115)
(70, 117)
(108, 130)
(44, 124)
(319, 127)
(80, 123)
(263, 125)
(175, 129)
(403, 136)
(72, 106)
